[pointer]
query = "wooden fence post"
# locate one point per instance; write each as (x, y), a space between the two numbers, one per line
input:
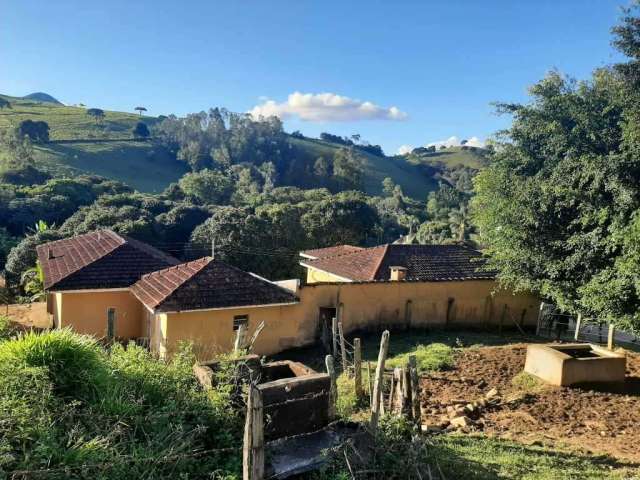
(578, 323)
(540, 314)
(610, 337)
(333, 391)
(369, 383)
(392, 391)
(415, 389)
(357, 367)
(253, 447)
(241, 335)
(334, 336)
(343, 350)
(378, 382)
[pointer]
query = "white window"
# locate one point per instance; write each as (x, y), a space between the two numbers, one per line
(240, 320)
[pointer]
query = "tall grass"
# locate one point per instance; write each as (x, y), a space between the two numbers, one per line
(69, 408)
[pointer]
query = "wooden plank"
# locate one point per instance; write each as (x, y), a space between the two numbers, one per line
(253, 446)
(369, 383)
(255, 335)
(415, 389)
(378, 381)
(333, 392)
(343, 350)
(357, 367)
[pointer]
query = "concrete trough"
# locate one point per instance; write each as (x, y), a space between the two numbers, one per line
(574, 364)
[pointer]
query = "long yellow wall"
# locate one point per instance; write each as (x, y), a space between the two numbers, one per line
(361, 306)
(86, 312)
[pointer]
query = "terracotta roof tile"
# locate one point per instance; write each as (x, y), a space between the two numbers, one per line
(423, 263)
(329, 251)
(206, 283)
(99, 259)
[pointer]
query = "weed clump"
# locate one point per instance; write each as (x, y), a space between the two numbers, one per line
(71, 408)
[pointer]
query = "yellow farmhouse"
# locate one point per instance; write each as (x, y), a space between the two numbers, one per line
(105, 284)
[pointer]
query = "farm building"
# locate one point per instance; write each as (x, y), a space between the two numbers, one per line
(108, 285)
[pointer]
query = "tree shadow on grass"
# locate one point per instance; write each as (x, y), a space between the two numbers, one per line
(483, 458)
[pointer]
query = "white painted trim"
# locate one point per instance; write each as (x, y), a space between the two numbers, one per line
(310, 257)
(324, 271)
(91, 290)
(238, 307)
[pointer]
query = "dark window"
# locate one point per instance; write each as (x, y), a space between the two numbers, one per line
(240, 320)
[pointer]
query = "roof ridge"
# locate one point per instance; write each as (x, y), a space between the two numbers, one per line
(190, 277)
(380, 260)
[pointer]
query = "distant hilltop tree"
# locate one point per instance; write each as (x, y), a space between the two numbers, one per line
(140, 110)
(38, 131)
(4, 103)
(141, 130)
(96, 113)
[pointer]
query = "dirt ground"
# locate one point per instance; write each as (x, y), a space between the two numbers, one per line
(28, 314)
(589, 420)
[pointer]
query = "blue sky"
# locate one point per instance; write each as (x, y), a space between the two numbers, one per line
(440, 63)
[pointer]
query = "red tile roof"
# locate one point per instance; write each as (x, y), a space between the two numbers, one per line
(422, 263)
(329, 251)
(99, 259)
(206, 284)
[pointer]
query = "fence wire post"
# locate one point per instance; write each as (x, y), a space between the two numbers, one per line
(415, 389)
(357, 367)
(343, 350)
(241, 335)
(334, 336)
(578, 323)
(610, 336)
(333, 391)
(378, 382)
(253, 447)
(540, 315)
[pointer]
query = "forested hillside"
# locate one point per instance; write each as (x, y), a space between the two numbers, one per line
(182, 183)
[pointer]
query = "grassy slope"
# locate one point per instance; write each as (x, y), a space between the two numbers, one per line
(106, 150)
(414, 183)
(450, 157)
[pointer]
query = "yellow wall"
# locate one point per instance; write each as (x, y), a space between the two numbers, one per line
(86, 312)
(316, 276)
(211, 331)
(363, 306)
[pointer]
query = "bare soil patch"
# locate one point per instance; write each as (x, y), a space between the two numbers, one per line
(604, 422)
(27, 315)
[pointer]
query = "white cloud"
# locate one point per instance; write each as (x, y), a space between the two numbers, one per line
(323, 107)
(404, 149)
(456, 142)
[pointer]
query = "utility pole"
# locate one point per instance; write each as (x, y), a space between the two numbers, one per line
(213, 247)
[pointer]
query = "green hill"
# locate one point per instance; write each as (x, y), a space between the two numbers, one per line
(42, 97)
(414, 182)
(451, 157)
(79, 145)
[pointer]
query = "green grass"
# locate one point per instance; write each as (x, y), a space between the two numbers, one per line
(71, 409)
(482, 458)
(78, 145)
(450, 157)
(142, 165)
(435, 356)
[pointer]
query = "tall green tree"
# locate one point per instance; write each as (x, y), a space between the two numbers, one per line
(558, 208)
